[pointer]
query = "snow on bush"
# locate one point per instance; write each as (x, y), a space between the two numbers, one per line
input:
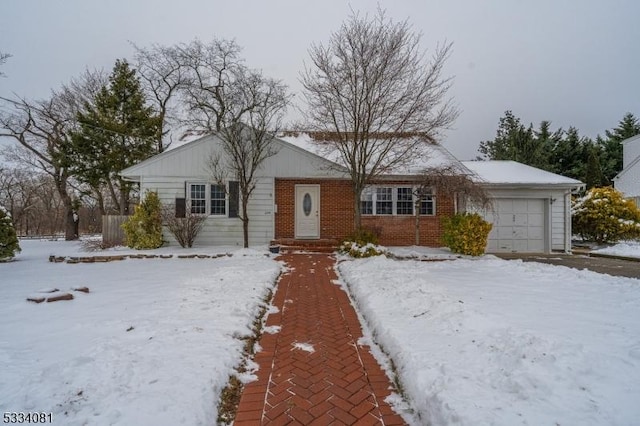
(603, 215)
(355, 249)
(9, 245)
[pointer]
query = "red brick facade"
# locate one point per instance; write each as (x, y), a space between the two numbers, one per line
(337, 217)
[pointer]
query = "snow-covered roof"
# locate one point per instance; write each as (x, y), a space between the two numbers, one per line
(432, 156)
(511, 172)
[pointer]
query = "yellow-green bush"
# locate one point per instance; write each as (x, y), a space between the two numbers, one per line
(603, 215)
(143, 229)
(466, 233)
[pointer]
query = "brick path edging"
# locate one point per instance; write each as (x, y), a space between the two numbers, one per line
(335, 380)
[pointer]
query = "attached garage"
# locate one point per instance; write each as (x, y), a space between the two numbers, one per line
(531, 208)
(519, 225)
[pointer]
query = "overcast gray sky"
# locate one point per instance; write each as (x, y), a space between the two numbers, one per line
(571, 62)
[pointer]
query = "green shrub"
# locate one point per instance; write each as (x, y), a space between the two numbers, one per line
(466, 233)
(362, 243)
(365, 236)
(354, 249)
(143, 230)
(603, 215)
(9, 245)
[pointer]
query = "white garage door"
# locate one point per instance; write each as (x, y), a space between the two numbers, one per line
(518, 226)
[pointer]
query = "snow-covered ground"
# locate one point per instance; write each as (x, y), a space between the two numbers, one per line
(625, 248)
(489, 341)
(152, 343)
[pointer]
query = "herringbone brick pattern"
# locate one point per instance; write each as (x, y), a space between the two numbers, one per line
(312, 372)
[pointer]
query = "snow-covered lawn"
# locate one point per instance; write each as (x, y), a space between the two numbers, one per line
(490, 341)
(625, 248)
(152, 343)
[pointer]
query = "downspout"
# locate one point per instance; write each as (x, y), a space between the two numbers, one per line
(567, 224)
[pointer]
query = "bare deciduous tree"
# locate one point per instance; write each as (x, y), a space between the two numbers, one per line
(163, 73)
(3, 59)
(32, 200)
(453, 180)
(372, 86)
(242, 106)
(41, 130)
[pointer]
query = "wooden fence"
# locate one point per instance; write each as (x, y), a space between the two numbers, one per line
(112, 233)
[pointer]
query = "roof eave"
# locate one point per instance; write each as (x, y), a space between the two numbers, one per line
(533, 185)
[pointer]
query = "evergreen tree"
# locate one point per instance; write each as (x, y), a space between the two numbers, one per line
(542, 147)
(569, 155)
(612, 145)
(593, 174)
(8, 240)
(116, 131)
(143, 229)
(516, 142)
(511, 135)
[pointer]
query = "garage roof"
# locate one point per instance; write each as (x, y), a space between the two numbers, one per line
(513, 173)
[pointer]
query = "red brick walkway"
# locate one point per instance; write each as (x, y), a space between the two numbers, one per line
(312, 372)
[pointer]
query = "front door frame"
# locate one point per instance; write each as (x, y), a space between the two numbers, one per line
(299, 192)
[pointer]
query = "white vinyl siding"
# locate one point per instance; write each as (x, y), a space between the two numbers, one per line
(222, 230)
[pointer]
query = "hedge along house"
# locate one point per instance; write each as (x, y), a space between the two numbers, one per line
(531, 208)
(299, 195)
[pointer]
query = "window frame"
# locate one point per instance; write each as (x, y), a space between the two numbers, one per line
(410, 202)
(191, 198)
(224, 205)
(431, 199)
(369, 201)
(208, 200)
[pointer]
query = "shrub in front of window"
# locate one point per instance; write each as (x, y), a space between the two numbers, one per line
(466, 233)
(604, 216)
(143, 229)
(9, 244)
(184, 229)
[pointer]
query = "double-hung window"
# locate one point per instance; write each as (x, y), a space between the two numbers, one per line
(428, 203)
(404, 203)
(218, 200)
(396, 200)
(207, 199)
(198, 198)
(366, 201)
(384, 201)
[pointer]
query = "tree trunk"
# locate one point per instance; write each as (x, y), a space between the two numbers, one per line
(357, 212)
(245, 220)
(100, 199)
(417, 214)
(70, 228)
(124, 201)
